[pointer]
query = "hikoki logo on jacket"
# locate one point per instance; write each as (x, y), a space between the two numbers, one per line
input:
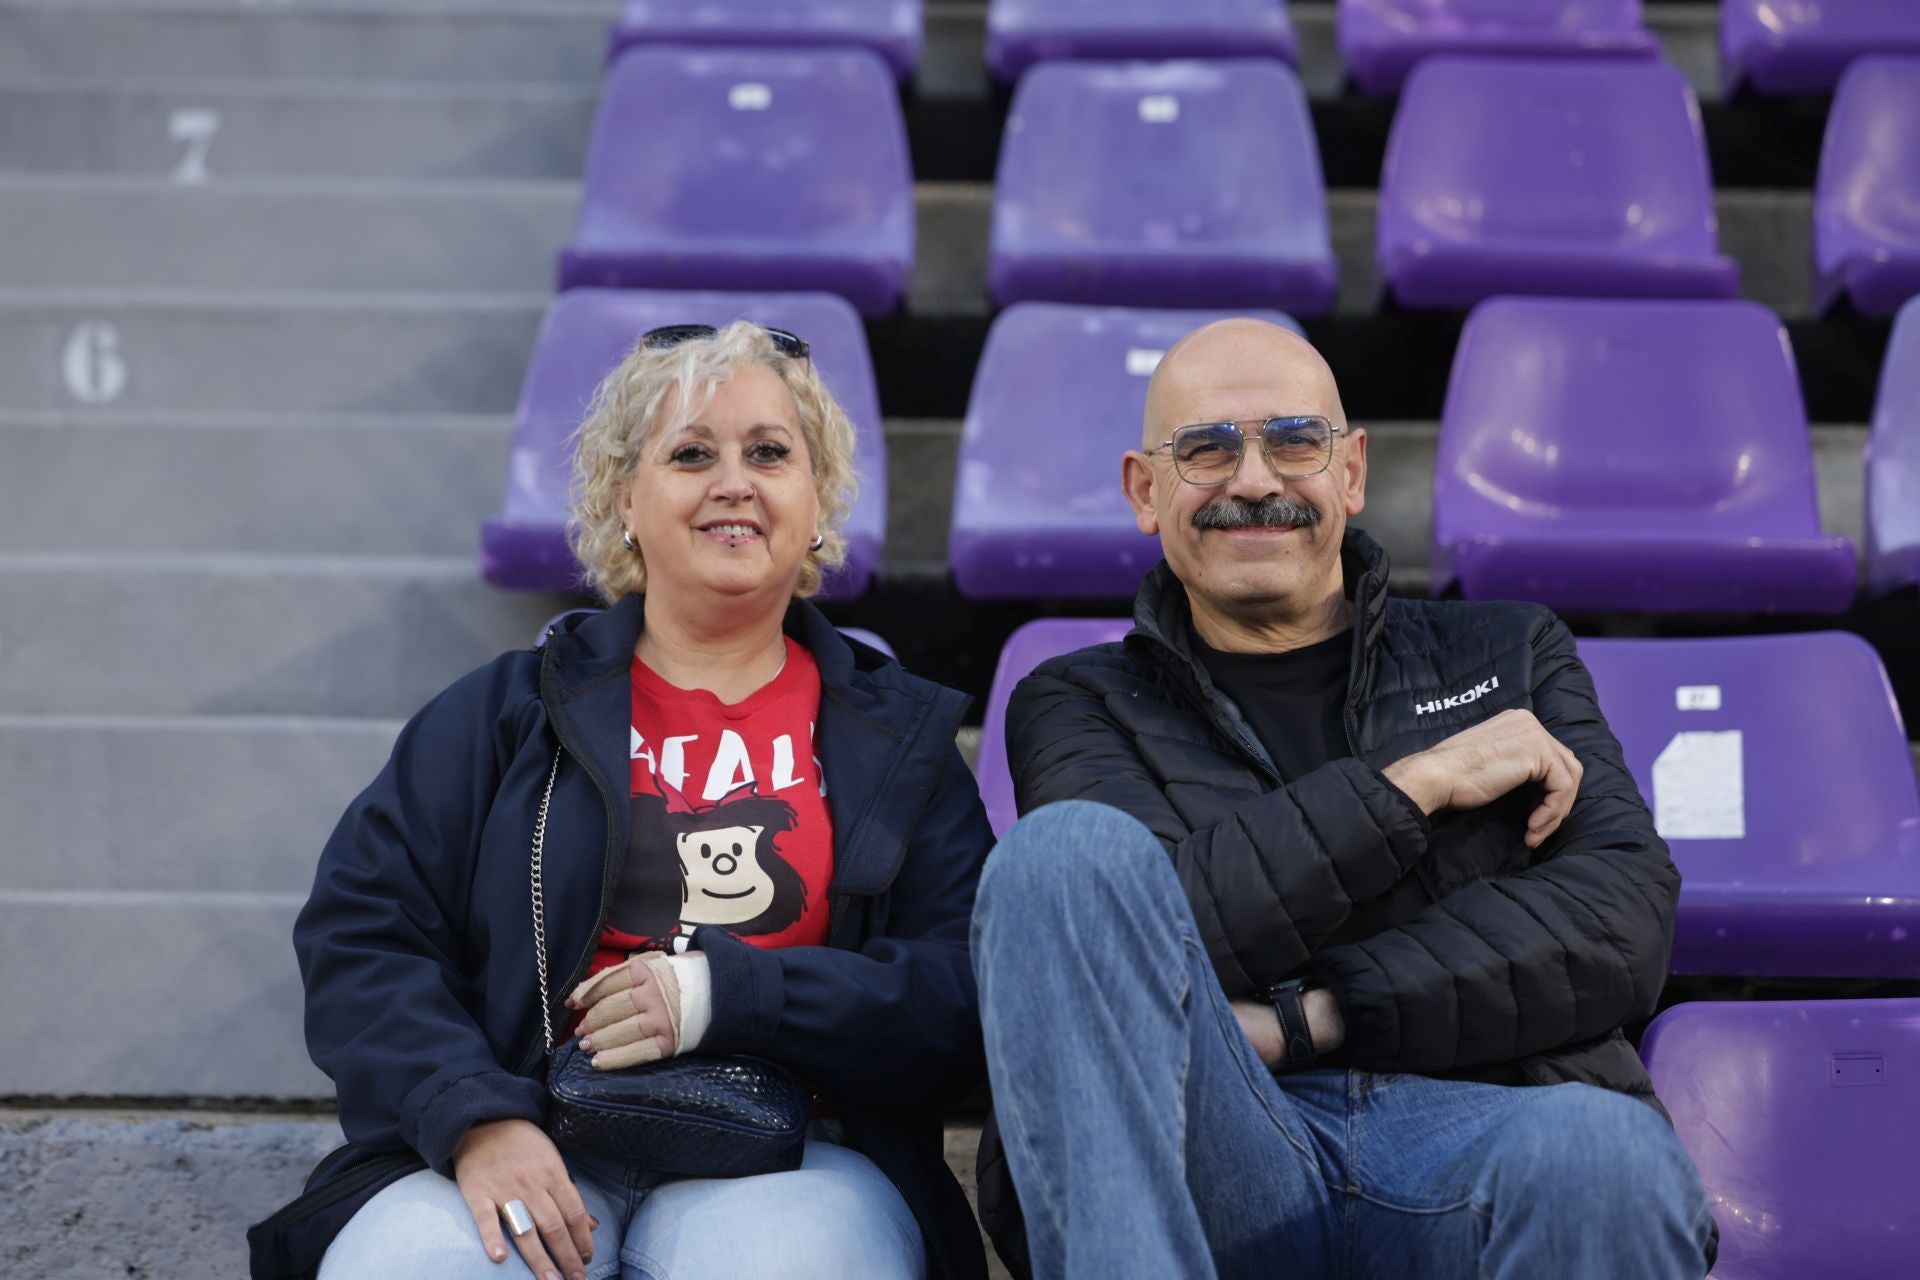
(1472, 695)
(736, 855)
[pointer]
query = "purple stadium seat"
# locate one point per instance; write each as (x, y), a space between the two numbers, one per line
(780, 170)
(1179, 184)
(1778, 771)
(1057, 398)
(1893, 463)
(1027, 648)
(1645, 455)
(1866, 204)
(1802, 46)
(1576, 177)
(587, 332)
(1023, 32)
(891, 28)
(870, 639)
(1381, 40)
(1800, 1117)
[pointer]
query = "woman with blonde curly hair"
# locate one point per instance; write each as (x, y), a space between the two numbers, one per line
(760, 839)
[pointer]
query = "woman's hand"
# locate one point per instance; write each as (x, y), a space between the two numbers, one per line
(633, 1012)
(502, 1160)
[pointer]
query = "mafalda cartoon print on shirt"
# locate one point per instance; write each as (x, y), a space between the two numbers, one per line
(725, 866)
(731, 872)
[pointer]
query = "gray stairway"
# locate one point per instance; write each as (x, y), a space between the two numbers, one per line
(270, 277)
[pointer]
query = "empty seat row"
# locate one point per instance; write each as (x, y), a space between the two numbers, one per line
(1771, 46)
(1198, 184)
(1777, 770)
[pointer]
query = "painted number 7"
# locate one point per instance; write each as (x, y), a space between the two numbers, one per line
(195, 128)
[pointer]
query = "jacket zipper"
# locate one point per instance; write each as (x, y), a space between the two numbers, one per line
(562, 730)
(1350, 723)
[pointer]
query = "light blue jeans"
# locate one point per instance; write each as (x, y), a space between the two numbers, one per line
(836, 1216)
(1147, 1139)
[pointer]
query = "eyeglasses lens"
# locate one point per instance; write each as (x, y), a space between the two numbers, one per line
(1210, 453)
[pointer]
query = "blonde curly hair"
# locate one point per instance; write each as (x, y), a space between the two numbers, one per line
(620, 419)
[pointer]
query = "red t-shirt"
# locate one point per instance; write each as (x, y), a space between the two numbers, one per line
(728, 823)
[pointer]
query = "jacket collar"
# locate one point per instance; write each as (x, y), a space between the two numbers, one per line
(873, 716)
(1163, 631)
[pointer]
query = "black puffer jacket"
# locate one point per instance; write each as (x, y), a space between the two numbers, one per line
(1454, 950)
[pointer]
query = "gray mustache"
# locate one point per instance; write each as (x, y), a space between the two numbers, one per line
(1273, 511)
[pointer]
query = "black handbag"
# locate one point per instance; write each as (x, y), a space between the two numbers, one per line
(696, 1117)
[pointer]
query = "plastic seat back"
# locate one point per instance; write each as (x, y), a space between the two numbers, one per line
(1778, 773)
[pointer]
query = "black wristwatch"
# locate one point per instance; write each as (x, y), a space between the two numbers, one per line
(1296, 1040)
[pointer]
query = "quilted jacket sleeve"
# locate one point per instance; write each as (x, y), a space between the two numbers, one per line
(1268, 885)
(1516, 964)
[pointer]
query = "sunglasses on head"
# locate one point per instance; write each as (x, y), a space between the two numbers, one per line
(672, 335)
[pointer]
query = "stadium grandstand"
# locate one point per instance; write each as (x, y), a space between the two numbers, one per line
(300, 300)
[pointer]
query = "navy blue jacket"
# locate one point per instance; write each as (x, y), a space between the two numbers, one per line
(416, 945)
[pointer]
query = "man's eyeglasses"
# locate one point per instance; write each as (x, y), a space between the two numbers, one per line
(672, 335)
(1209, 453)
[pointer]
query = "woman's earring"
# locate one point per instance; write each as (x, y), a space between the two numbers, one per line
(626, 537)
(819, 541)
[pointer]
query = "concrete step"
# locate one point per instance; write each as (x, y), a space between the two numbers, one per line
(269, 237)
(273, 40)
(138, 635)
(177, 804)
(308, 353)
(182, 847)
(448, 9)
(245, 237)
(198, 133)
(179, 994)
(168, 1195)
(262, 484)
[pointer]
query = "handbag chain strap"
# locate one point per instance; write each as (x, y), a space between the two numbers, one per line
(540, 903)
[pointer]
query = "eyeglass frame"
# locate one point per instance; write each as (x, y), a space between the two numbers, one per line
(1334, 431)
(666, 336)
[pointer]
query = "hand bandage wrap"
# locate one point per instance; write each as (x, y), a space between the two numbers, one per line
(696, 998)
(612, 1023)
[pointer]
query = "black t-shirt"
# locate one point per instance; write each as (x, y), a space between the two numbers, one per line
(1293, 701)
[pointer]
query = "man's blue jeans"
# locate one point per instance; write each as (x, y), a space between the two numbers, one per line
(1147, 1139)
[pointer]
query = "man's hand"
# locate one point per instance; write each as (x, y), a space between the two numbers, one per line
(1479, 765)
(1262, 1026)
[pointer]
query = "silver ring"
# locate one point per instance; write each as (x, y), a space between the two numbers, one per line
(519, 1221)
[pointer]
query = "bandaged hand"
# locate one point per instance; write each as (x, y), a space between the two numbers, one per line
(633, 1012)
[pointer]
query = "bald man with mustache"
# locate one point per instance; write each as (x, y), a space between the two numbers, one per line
(1311, 953)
